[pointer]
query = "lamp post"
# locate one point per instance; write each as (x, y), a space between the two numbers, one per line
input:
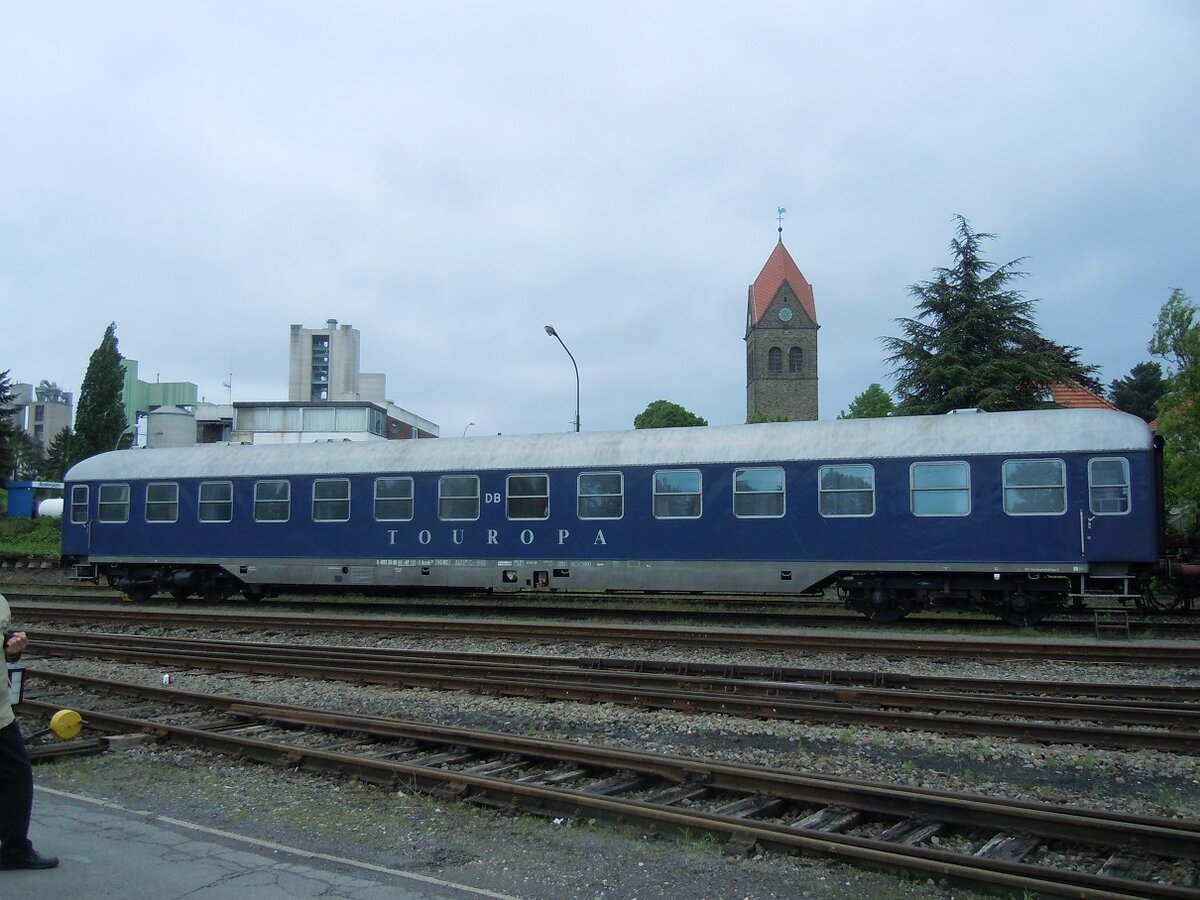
(554, 334)
(469, 424)
(128, 429)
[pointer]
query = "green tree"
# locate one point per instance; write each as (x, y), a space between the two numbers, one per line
(58, 457)
(664, 414)
(100, 417)
(973, 342)
(1177, 340)
(27, 455)
(1140, 391)
(758, 418)
(8, 449)
(873, 403)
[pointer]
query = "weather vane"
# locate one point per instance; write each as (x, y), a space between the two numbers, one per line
(779, 218)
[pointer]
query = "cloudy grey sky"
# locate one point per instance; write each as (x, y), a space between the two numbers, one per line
(450, 177)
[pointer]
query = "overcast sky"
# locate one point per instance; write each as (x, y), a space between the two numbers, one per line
(450, 177)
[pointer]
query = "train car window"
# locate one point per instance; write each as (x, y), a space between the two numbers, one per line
(528, 497)
(393, 499)
(1035, 487)
(113, 503)
(331, 500)
(162, 502)
(79, 504)
(601, 495)
(1108, 486)
(846, 490)
(677, 494)
(458, 497)
(758, 493)
(940, 489)
(272, 501)
(216, 501)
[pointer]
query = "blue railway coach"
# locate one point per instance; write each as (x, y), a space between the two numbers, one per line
(1015, 512)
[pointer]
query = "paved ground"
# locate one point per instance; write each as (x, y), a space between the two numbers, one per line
(109, 851)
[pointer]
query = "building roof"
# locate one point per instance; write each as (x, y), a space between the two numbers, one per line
(780, 267)
(1073, 395)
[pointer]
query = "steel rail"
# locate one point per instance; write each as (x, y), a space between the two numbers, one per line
(1168, 838)
(1181, 695)
(1164, 695)
(824, 704)
(1156, 652)
(771, 612)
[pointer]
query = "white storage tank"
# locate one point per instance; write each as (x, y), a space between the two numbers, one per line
(170, 426)
(51, 508)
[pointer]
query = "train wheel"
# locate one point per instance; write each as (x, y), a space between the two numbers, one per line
(1021, 618)
(139, 594)
(180, 594)
(1025, 609)
(890, 613)
(215, 594)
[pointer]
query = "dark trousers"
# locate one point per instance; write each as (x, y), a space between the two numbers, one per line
(16, 792)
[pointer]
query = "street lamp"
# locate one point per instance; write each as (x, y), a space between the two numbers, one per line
(469, 424)
(554, 334)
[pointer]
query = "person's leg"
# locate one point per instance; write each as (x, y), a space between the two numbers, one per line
(16, 794)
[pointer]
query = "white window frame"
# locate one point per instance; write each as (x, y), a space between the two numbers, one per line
(781, 493)
(580, 495)
(1126, 486)
(1061, 487)
(914, 491)
(823, 492)
(698, 493)
(162, 507)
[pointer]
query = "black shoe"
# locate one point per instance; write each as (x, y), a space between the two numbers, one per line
(30, 860)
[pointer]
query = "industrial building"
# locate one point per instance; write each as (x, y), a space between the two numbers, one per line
(43, 411)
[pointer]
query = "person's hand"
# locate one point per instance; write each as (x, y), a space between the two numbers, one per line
(16, 644)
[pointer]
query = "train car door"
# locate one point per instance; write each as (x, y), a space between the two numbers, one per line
(1104, 525)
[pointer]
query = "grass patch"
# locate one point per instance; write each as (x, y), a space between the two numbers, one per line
(40, 537)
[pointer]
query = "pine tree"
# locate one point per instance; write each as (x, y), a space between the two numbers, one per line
(1140, 391)
(100, 417)
(973, 342)
(8, 446)
(58, 457)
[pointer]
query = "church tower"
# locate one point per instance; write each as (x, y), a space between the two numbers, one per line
(781, 342)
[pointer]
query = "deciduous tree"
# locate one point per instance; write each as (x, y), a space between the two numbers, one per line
(664, 414)
(1177, 340)
(873, 403)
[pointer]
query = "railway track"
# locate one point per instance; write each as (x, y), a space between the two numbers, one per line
(787, 639)
(1053, 714)
(719, 611)
(1010, 846)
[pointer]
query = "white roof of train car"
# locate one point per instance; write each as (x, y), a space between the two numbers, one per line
(962, 434)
